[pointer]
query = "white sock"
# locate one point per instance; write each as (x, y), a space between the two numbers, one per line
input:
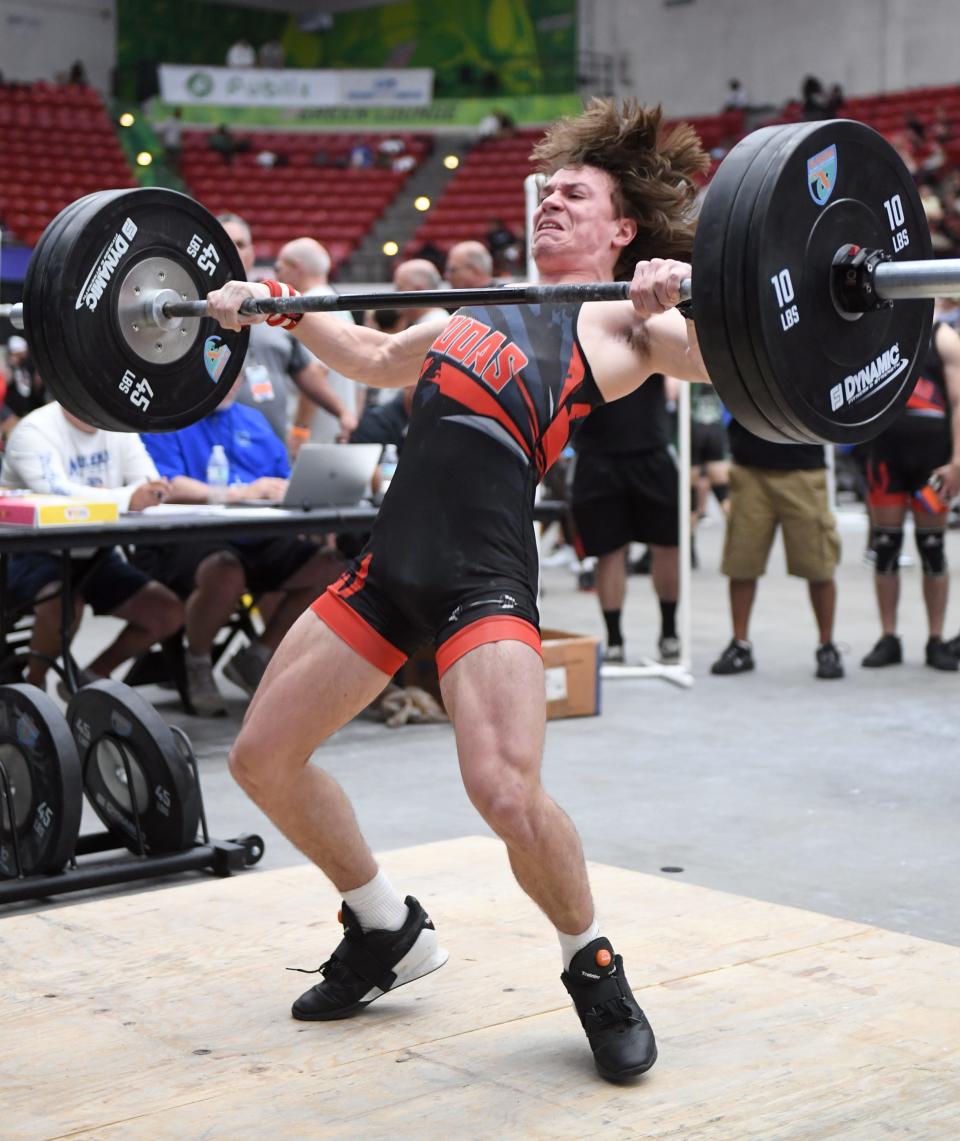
(377, 905)
(570, 944)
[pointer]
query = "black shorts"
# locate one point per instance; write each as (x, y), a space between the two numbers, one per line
(632, 497)
(105, 582)
(266, 565)
(900, 460)
(708, 443)
(385, 621)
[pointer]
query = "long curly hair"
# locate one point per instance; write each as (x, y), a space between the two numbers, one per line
(653, 172)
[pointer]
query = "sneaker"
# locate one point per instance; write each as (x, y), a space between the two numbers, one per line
(829, 662)
(737, 658)
(939, 655)
(247, 666)
(564, 556)
(614, 655)
(669, 651)
(617, 1029)
(887, 652)
(202, 692)
(366, 965)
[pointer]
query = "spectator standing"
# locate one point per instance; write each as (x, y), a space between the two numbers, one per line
(737, 98)
(305, 264)
(241, 54)
(710, 467)
(625, 490)
(171, 135)
(212, 577)
(778, 485)
(271, 55)
(277, 364)
(51, 452)
(921, 444)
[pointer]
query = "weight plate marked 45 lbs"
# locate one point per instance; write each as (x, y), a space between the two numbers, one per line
(40, 759)
(133, 382)
(840, 378)
(111, 723)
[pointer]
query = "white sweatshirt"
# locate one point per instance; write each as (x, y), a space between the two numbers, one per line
(49, 455)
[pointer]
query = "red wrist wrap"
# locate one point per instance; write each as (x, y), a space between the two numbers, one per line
(284, 320)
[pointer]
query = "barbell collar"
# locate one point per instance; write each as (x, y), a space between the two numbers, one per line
(13, 314)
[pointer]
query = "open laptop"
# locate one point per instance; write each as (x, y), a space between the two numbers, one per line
(327, 475)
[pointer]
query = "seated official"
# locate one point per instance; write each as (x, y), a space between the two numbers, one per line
(213, 576)
(51, 452)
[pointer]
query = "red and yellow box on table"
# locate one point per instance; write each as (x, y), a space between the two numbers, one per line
(25, 509)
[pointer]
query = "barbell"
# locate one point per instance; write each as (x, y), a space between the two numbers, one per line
(812, 310)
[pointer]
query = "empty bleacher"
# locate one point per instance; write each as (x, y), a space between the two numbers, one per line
(329, 201)
(57, 143)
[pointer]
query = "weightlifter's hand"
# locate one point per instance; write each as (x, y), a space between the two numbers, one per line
(656, 285)
(223, 305)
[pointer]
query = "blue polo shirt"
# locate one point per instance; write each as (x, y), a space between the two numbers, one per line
(251, 446)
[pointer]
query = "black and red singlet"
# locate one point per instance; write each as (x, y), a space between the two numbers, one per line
(452, 558)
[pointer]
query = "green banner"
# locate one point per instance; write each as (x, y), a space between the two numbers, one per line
(476, 48)
(452, 114)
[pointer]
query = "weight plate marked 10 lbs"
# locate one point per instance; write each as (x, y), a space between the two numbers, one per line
(839, 379)
(40, 759)
(112, 723)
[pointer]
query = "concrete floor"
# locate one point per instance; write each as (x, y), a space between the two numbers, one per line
(837, 796)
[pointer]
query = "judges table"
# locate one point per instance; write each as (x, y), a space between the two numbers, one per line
(171, 523)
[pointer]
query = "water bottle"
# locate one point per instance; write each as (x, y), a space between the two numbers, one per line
(388, 465)
(218, 474)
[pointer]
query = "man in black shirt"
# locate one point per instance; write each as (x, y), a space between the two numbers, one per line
(625, 490)
(775, 485)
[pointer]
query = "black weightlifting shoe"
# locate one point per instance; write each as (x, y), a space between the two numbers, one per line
(617, 1029)
(366, 965)
(887, 652)
(939, 655)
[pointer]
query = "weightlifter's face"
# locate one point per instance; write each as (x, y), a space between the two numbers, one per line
(576, 221)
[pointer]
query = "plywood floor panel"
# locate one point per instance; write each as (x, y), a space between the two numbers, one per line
(165, 1014)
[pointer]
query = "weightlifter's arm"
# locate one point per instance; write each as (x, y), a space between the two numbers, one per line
(671, 346)
(385, 360)
(627, 341)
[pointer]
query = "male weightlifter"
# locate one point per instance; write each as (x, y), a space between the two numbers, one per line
(452, 561)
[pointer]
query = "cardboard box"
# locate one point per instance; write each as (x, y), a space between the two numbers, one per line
(55, 511)
(571, 669)
(571, 665)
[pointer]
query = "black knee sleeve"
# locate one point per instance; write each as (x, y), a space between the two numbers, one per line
(721, 491)
(887, 543)
(933, 555)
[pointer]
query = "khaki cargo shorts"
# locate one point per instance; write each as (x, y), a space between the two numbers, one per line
(760, 501)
